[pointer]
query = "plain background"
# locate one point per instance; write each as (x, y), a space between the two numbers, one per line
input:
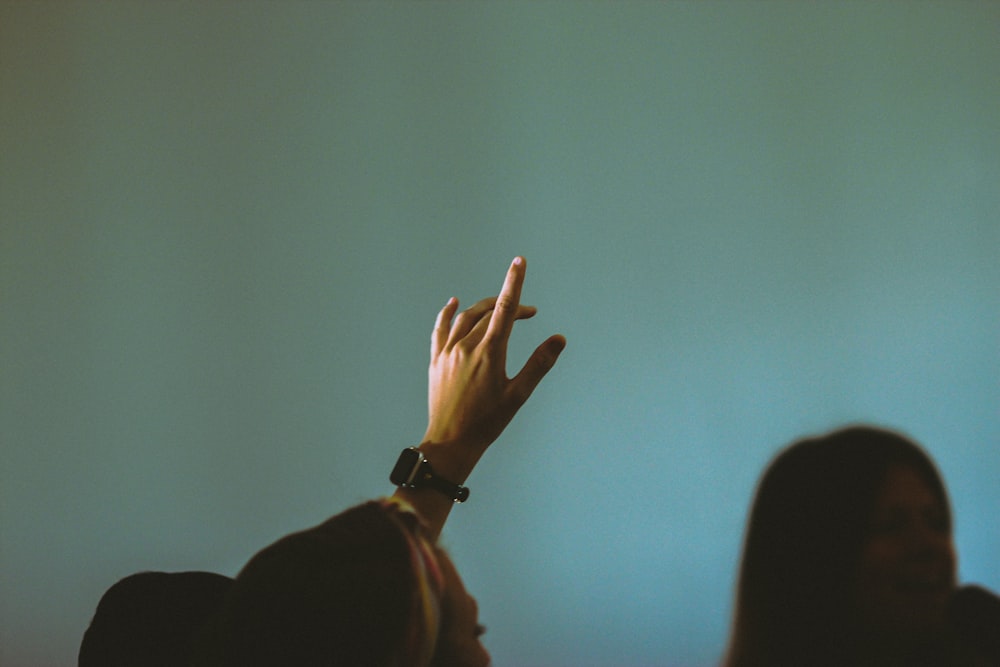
(226, 228)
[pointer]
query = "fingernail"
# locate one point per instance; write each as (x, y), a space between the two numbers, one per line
(518, 261)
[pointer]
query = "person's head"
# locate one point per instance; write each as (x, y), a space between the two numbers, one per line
(151, 618)
(849, 544)
(363, 589)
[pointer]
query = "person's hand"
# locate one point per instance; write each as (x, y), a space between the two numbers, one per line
(470, 398)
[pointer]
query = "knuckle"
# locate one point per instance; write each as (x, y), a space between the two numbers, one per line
(506, 303)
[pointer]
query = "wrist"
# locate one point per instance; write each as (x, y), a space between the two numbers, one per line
(454, 460)
(414, 471)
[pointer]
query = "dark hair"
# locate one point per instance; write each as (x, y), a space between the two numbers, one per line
(151, 618)
(342, 593)
(807, 526)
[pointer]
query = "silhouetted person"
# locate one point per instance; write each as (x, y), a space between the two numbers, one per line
(848, 558)
(370, 587)
(366, 588)
(151, 619)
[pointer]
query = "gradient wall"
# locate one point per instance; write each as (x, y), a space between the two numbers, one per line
(225, 230)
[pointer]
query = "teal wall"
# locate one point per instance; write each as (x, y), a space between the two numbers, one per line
(225, 230)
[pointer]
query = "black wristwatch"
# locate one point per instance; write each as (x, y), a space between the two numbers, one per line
(413, 470)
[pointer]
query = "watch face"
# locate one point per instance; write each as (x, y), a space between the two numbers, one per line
(402, 472)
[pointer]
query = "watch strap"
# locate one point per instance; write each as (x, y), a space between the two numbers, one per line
(413, 470)
(430, 479)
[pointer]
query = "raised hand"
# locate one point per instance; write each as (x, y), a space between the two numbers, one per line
(470, 398)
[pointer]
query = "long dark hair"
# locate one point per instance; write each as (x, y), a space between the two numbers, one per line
(807, 526)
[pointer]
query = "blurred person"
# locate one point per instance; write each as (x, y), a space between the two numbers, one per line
(848, 559)
(151, 619)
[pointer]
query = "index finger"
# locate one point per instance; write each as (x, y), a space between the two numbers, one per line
(505, 310)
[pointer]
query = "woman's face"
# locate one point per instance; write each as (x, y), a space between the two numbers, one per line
(458, 642)
(907, 567)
